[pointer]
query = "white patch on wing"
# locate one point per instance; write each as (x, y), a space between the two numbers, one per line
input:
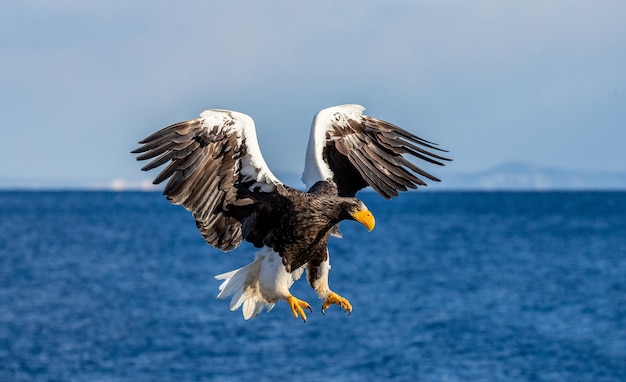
(316, 168)
(253, 166)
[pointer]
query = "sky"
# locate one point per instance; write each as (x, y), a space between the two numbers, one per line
(540, 82)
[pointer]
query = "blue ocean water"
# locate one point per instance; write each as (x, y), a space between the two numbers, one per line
(106, 286)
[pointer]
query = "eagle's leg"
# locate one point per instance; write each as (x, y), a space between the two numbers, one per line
(297, 307)
(317, 275)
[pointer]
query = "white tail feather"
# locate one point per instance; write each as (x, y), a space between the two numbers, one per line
(257, 285)
(247, 295)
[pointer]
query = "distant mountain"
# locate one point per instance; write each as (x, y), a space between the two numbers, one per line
(521, 176)
(40, 184)
(76, 184)
(512, 176)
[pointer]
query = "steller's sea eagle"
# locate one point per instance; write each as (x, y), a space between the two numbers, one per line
(216, 171)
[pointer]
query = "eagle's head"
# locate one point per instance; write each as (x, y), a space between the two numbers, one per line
(355, 209)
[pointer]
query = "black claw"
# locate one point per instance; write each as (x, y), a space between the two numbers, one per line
(323, 311)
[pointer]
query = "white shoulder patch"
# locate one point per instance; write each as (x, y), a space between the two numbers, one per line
(316, 168)
(253, 166)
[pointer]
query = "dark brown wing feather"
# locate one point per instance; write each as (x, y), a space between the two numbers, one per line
(364, 151)
(211, 175)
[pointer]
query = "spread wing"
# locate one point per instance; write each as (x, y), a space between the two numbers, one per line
(215, 167)
(355, 151)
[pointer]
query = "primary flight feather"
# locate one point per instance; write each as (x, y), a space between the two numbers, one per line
(216, 171)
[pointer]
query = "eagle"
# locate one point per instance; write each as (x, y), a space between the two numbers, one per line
(216, 172)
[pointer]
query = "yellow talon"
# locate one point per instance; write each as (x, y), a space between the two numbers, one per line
(297, 306)
(334, 298)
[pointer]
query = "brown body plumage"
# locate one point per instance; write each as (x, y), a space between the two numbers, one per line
(296, 224)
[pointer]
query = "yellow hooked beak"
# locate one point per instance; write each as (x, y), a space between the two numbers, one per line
(366, 218)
